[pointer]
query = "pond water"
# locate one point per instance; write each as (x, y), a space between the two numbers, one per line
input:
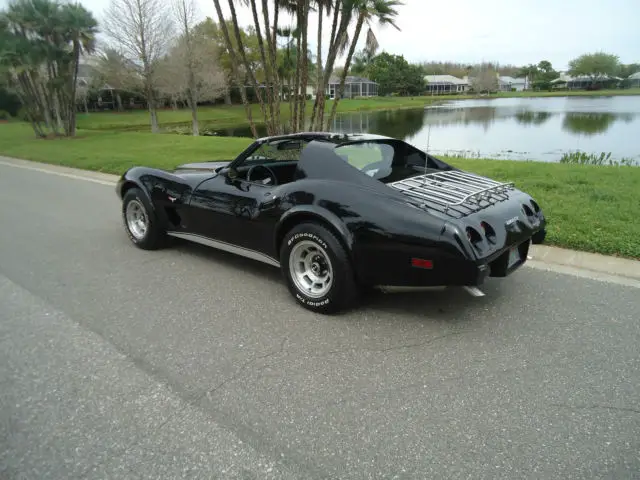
(540, 128)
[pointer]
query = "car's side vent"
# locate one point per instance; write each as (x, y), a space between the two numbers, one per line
(173, 216)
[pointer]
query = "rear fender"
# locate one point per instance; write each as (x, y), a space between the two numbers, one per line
(313, 213)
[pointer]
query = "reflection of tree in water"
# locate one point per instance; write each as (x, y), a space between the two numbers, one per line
(588, 123)
(482, 115)
(394, 123)
(532, 118)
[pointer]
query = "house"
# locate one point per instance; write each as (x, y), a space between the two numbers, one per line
(508, 84)
(439, 84)
(634, 80)
(583, 81)
(353, 87)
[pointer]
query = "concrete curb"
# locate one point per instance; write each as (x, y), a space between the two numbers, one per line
(540, 254)
(594, 262)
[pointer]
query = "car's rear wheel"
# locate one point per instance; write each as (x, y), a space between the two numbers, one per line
(317, 269)
(140, 221)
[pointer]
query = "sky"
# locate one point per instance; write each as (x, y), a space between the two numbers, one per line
(516, 32)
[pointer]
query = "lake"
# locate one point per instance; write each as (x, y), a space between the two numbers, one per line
(540, 128)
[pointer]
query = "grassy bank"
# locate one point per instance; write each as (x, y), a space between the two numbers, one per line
(224, 116)
(590, 208)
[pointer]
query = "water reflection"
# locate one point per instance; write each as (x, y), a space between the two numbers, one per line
(512, 128)
(532, 118)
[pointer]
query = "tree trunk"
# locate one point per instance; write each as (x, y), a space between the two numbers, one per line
(153, 113)
(72, 101)
(337, 33)
(347, 64)
(227, 96)
(243, 92)
(119, 102)
(193, 103)
(243, 56)
(266, 66)
(296, 88)
(318, 67)
(272, 59)
(305, 65)
(86, 107)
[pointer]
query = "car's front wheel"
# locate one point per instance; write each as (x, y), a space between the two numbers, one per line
(140, 221)
(317, 269)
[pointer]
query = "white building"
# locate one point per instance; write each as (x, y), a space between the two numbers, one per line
(437, 84)
(634, 80)
(507, 84)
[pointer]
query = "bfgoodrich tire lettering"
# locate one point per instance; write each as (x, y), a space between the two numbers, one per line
(330, 285)
(150, 236)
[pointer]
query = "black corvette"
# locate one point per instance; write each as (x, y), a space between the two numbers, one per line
(339, 214)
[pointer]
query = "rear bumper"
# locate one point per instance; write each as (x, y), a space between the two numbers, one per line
(411, 267)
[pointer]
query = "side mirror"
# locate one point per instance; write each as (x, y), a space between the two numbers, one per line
(230, 173)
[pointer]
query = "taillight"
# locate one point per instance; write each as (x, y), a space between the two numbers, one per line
(489, 232)
(473, 235)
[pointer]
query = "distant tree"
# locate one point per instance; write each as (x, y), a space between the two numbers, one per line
(596, 66)
(113, 68)
(190, 72)
(395, 75)
(545, 66)
(144, 30)
(629, 69)
(529, 72)
(484, 79)
(361, 61)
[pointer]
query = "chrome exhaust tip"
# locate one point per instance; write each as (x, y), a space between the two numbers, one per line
(474, 291)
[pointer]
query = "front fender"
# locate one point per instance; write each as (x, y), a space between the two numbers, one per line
(132, 179)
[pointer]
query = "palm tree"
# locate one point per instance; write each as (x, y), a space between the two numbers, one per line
(82, 28)
(384, 13)
(235, 56)
(338, 41)
(323, 6)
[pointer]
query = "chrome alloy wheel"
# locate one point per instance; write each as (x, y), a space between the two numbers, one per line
(310, 269)
(137, 219)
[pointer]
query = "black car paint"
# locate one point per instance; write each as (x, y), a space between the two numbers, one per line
(380, 228)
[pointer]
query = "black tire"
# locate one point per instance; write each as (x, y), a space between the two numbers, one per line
(343, 290)
(154, 236)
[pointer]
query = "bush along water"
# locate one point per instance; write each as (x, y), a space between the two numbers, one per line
(604, 158)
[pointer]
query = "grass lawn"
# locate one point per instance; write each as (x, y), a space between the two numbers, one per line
(223, 116)
(590, 208)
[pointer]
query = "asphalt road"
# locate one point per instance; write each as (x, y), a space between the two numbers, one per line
(193, 363)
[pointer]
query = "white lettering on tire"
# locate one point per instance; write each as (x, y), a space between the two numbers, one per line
(308, 235)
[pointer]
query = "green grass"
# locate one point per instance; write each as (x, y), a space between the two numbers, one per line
(115, 152)
(590, 208)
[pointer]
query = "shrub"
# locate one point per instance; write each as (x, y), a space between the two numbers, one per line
(4, 115)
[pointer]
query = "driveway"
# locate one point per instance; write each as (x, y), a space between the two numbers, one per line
(192, 363)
